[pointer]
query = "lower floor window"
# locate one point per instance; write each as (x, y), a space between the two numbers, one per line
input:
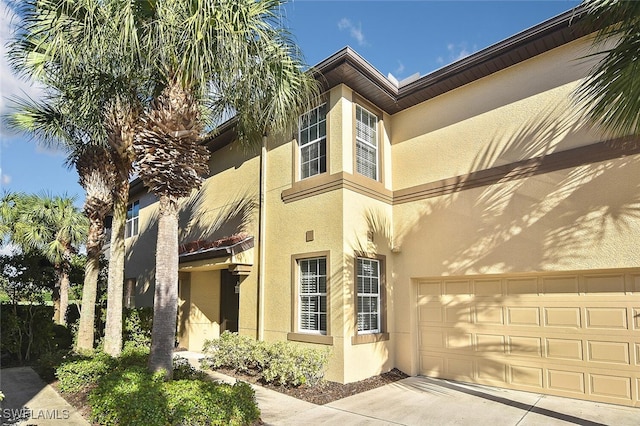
(368, 298)
(313, 295)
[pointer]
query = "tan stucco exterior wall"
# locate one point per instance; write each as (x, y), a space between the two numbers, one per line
(578, 218)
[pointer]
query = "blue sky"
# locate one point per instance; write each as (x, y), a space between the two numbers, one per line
(397, 37)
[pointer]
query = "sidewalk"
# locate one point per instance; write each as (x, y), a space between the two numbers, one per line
(30, 401)
(428, 401)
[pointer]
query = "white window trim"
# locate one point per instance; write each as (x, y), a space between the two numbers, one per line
(378, 295)
(301, 294)
(317, 141)
(133, 221)
(375, 147)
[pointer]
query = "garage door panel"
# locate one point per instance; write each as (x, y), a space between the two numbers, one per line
(522, 286)
(488, 288)
(568, 349)
(606, 318)
(529, 316)
(527, 376)
(566, 381)
(562, 317)
(608, 284)
(609, 352)
(542, 332)
(609, 386)
(560, 286)
(489, 314)
(490, 343)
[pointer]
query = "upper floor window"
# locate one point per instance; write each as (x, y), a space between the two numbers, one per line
(366, 143)
(313, 295)
(313, 142)
(133, 214)
(368, 295)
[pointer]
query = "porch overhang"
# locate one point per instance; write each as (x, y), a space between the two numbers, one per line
(235, 255)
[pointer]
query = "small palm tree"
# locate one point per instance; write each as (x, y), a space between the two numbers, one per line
(52, 226)
(611, 91)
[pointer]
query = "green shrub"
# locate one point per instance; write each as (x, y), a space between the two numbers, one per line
(183, 370)
(231, 350)
(137, 325)
(130, 397)
(196, 402)
(79, 374)
(292, 365)
(136, 397)
(285, 363)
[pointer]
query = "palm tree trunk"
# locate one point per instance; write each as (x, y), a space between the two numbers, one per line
(55, 298)
(64, 297)
(165, 303)
(90, 287)
(113, 325)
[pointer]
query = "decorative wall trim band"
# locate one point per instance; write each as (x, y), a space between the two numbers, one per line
(574, 157)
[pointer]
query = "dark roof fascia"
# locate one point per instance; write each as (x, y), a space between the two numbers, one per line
(217, 252)
(524, 45)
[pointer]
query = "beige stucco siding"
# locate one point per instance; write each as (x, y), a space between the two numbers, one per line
(514, 114)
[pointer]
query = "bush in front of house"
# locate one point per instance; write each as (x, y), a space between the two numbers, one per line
(284, 363)
(137, 397)
(122, 391)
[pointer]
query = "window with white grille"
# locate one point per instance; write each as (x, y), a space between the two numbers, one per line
(133, 216)
(313, 295)
(366, 143)
(368, 288)
(312, 140)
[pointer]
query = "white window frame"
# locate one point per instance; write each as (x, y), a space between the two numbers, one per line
(305, 125)
(315, 294)
(372, 144)
(132, 225)
(369, 294)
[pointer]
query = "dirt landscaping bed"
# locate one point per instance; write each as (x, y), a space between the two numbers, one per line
(326, 391)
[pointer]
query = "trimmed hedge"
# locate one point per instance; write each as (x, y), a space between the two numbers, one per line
(284, 363)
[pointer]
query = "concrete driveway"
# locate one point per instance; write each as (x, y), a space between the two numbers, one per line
(426, 401)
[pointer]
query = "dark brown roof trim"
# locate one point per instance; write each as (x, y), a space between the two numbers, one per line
(346, 66)
(220, 251)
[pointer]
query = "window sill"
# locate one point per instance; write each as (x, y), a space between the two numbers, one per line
(362, 339)
(319, 339)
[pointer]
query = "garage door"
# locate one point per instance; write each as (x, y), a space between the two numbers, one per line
(571, 334)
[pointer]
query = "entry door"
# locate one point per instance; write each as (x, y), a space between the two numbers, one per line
(229, 302)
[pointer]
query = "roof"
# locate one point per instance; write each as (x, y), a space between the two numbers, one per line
(347, 67)
(228, 246)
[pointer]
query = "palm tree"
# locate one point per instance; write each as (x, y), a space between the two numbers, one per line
(71, 45)
(57, 122)
(611, 93)
(52, 226)
(211, 57)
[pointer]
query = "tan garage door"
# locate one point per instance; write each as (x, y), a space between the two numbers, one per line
(570, 334)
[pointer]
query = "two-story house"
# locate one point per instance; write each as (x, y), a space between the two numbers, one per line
(470, 224)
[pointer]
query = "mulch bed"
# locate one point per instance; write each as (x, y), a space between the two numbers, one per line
(325, 391)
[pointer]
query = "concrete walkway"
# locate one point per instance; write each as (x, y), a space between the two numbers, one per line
(427, 401)
(411, 401)
(30, 401)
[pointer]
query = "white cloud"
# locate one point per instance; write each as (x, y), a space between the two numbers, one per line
(6, 179)
(456, 52)
(12, 86)
(400, 68)
(354, 31)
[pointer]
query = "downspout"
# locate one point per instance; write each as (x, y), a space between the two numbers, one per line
(261, 236)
